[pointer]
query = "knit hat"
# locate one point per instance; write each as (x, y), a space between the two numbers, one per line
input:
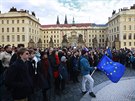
(63, 59)
(84, 50)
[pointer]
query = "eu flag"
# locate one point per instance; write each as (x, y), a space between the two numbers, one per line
(109, 53)
(113, 70)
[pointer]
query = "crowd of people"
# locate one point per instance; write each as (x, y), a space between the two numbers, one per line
(26, 71)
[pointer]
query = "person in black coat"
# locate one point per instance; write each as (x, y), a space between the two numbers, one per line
(17, 77)
(36, 79)
(45, 72)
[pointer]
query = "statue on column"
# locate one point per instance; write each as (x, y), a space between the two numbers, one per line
(95, 43)
(80, 38)
(64, 39)
(51, 42)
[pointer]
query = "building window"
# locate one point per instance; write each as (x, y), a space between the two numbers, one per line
(29, 29)
(130, 36)
(22, 21)
(57, 36)
(7, 29)
(114, 29)
(124, 37)
(54, 41)
(54, 36)
(124, 27)
(22, 29)
(12, 21)
(17, 21)
(13, 29)
(99, 40)
(44, 41)
(7, 21)
(124, 43)
(117, 28)
(57, 41)
(129, 43)
(17, 29)
(2, 29)
(134, 35)
(47, 41)
(13, 38)
(23, 37)
(129, 19)
(8, 38)
(18, 38)
(2, 38)
(2, 21)
(129, 27)
(102, 40)
(89, 40)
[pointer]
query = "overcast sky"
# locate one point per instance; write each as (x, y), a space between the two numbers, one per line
(83, 11)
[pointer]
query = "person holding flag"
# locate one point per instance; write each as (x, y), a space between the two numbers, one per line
(109, 53)
(85, 71)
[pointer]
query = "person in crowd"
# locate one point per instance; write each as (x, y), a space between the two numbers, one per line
(17, 77)
(37, 54)
(44, 70)
(32, 65)
(85, 70)
(69, 65)
(63, 73)
(54, 65)
(5, 57)
(14, 56)
(75, 66)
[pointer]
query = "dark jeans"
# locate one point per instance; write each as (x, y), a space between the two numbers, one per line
(36, 96)
(62, 84)
(57, 84)
(75, 76)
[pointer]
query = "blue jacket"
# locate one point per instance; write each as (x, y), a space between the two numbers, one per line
(85, 66)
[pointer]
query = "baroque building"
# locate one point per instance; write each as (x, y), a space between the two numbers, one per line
(18, 27)
(121, 28)
(21, 27)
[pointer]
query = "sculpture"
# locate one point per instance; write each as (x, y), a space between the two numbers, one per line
(64, 38)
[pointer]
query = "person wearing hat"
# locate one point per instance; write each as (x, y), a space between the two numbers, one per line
(85, 71)
(63, 72)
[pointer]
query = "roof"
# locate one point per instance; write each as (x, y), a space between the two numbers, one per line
(67, 25)
(99, 25)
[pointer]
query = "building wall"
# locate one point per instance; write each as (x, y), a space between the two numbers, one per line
(88, 34)
(20, 27)
(15, 28)
(124, 24)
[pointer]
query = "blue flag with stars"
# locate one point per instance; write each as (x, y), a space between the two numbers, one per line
(113, 70)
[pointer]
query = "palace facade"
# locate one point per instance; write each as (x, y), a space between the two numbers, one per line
(21, 27)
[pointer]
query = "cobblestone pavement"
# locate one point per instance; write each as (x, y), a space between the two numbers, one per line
(73, 91)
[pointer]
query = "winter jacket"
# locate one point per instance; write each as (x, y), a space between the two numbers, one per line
(85, 66)
(18, 80)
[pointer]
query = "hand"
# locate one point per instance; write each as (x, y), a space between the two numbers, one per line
(95, 67)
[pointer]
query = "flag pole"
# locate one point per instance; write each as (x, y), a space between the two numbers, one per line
(93, 72)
